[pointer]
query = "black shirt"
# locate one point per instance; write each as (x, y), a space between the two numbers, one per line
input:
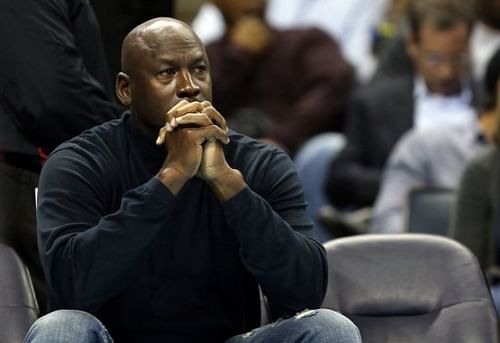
(186, 268)
(54, 80)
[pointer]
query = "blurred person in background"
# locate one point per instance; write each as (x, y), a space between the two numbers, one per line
(394, 60)
(433, 157)
(298, 78)
(440, 93)
(476, 221)
(351, 23)
(54, 83)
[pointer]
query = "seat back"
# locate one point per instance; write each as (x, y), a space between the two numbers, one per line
(18, 306)
(429, 210)
(410, 288)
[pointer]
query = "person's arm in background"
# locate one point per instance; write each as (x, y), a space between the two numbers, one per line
(350, 179)
(54, 82)
(325, 81)
(405, 170)
(472, 222)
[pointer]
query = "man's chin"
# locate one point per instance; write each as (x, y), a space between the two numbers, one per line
(446, 90)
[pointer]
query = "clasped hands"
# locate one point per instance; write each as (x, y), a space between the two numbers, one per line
(193, 135)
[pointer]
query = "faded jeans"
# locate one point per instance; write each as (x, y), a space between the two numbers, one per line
(495, 293)
(319, 326)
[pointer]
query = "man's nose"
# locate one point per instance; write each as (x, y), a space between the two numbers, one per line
(447, 71)
(186, 88)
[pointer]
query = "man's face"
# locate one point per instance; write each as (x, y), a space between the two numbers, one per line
(235, 9)
(441, 57)
(172, 66)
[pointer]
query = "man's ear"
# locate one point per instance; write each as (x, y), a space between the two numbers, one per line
(498, 102)
(123, 89)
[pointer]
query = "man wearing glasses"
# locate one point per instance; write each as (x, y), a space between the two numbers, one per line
(438, 92)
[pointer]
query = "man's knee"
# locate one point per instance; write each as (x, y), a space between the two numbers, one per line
(66, 326)
(327, 326)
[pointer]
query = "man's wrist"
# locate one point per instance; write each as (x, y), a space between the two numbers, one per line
(227, 184)
(173, 179)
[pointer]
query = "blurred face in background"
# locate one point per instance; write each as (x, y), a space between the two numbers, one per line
(233, 10)
(441, 57)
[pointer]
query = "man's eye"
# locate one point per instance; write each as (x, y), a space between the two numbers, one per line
(167, 72)
(200, 69)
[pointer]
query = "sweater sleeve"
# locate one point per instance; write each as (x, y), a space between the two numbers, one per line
(274, 234)
(405, 171)
(90, 256)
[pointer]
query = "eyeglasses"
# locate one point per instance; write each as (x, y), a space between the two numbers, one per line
(434, 59)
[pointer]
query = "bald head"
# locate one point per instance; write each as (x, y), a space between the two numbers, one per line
(150, 37)
(163, 62)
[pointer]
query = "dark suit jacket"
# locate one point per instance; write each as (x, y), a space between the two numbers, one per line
(476, 216)
(378, 116)
(54, 80)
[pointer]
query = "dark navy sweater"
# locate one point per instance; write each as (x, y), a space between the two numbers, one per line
(155, 267)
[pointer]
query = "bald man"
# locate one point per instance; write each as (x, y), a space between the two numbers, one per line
(161, 226)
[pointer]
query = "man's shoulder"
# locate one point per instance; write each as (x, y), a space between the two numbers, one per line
(386, 88)
(389, 102)
(298, 40)
(434, 141)
(248, 146)
(432, 135)
(95, 137)
(487, 160)
(304, 33)
(264, 165)
(482, 170)
(385, 103)
(251, 155)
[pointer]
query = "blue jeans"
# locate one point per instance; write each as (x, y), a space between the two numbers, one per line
(495, 294)
(321, 326)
